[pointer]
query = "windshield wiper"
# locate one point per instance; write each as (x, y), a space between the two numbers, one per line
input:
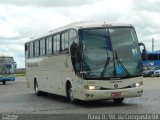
(120, 62)
(105, 66)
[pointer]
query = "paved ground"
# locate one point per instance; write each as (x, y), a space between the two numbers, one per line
(16, 98)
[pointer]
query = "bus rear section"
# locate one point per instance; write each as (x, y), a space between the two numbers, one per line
(7, 69)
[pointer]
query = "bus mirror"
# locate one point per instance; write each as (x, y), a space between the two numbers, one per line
(144, 51)
(25, 47)
(15, 65)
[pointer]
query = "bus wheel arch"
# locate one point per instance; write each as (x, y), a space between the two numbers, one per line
(69, 92)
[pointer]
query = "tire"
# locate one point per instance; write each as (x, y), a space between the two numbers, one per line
(37, 92)
(70, 95)
(118, 100)
(3, 82)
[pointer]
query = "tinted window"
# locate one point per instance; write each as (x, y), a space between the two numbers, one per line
(27, 50)
(72, 36)
(31, 50)
(36, 48)
(152, 56)
(58, 44)
(42, 47)
(64, 41)
(55, 44)
(49, 45)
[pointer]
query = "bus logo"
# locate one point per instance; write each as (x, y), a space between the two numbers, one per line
(115, 85)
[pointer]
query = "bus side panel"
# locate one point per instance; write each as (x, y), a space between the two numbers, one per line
(49, 73)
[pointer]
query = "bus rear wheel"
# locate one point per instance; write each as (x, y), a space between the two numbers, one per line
(118, 100)
(4, 82)
(38, 93)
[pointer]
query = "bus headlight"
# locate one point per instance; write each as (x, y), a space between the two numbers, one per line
(138, 84)
(91, 87)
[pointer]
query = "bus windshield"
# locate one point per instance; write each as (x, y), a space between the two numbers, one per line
(110, 53)
(6, 65)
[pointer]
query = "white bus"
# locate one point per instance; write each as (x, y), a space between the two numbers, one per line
(86, 61)
(7, 69)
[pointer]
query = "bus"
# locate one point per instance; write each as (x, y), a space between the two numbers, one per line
(86, 61)
(152, 61)
(7, 69)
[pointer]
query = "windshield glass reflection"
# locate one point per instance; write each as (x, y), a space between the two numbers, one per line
(109, 53)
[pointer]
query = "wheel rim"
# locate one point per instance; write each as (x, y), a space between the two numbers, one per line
(36, 87)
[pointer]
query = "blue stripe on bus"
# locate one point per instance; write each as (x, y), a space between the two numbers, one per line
(7, 78)
(152, 52)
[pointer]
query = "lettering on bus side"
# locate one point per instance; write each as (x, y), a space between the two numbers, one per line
(33, 64)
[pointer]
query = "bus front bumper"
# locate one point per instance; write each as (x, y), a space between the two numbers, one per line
(7, 78)
(111, 94)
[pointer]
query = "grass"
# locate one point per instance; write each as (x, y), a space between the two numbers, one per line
(20, 73)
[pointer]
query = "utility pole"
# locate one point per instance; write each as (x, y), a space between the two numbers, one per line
(152, 44)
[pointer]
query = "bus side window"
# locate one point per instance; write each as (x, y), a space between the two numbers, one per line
(73, 40)
(36, 48)
(72, 37)
(64, 42)
(31, 49)
(55, 44)
(42, 47)
(27, 50)
(152, 56)
(58, 44)
(49, 45)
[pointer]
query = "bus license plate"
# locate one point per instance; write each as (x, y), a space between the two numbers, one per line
(116, 94)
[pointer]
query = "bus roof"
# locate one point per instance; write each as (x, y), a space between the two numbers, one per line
(81, 25)
(6, 56)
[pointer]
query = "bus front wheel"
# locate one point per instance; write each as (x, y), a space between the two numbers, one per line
(4, 82)
(70, 95)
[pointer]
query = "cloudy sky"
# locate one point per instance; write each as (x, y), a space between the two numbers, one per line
(23, 19)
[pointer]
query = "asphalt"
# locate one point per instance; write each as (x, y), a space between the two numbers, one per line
(17, 99)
